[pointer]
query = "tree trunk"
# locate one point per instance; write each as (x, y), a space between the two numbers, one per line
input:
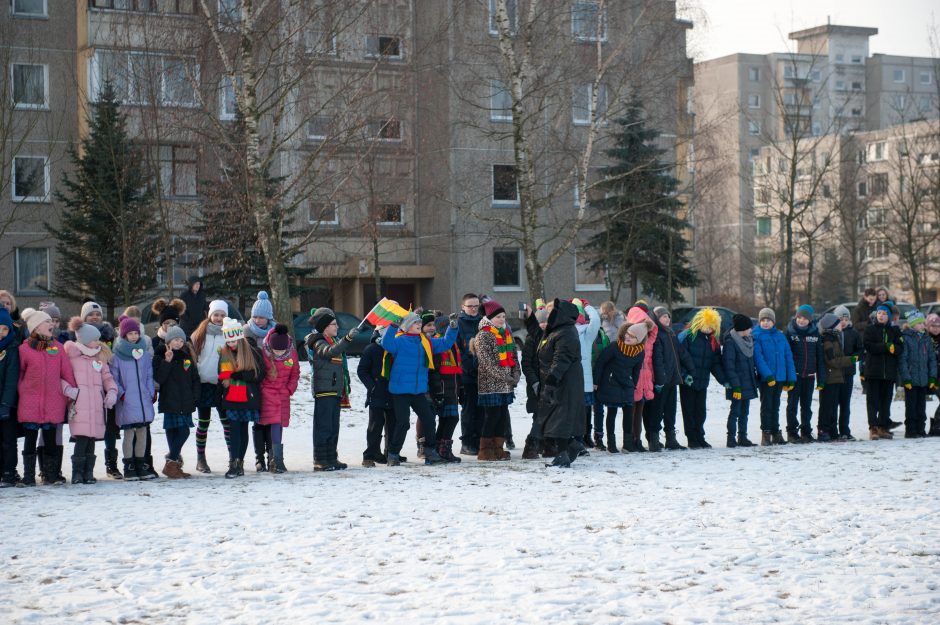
(376, 269)
(786, 303)
(811, 251)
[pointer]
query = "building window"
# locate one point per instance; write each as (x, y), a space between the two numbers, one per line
(506, 269)
(385, 129)
(763, 195)
(876, 217)
(840, 58)
(586, 278)
(856, 85)
(390, 215)
(840, 85)
(30, 8)
(511, 9)
(862, 189)
(876, 151)
(857, 59)
(30, 179)
(816, 129)
(878, 184)
(385, 46)
(143, 78)
(319, 127)
(177, 170)
(816, 75)
(145, 6)
(32, 270)
(230, 14)
(581, 103)
(753, 101)
(900, 101)
(925, 104)
(877, 249)
(322, 213)
(753, 128)
(584, 21)
(30, 86)
(320, 42)
(505, 186)
(789, 99)
(228, 105)
(857, 111)
(753, 74)
(789, 71)
(500, 102)
(899, 75)
(763, 226)
(925, 78)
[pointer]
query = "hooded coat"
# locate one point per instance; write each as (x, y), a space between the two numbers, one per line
(96, 392)
(133, 377)
(772, 355)
(740, 370)
(9, 376)
(276, 390)
(652, 372)
(918, 362)
(806, 346)
(530, 363)
(196, 306)
(467, 328)
(559, 356)
(880, 363)
(837, 361)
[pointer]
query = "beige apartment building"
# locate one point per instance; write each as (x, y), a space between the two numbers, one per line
(393, 138)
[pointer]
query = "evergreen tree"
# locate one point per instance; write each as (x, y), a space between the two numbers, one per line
(106, 243)
(641, 240)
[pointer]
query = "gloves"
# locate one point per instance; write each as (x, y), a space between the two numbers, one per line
(736, 394)
(788, 386)
(908, 385)
(657, 388)
(890, 348)
(550, 395)
(352, 334)
(932, 385)
(820, 386)
(110, 399)
(72, 393)
(688, 380)
(453, 320)
(854, 359)
(771, 381)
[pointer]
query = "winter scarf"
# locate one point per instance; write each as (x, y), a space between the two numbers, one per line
(426, 344)
(507, 352)
(257, 332)
(213, 330)
(126, 350)
(42, 344)
(744, 343)
(347, 385)
(630, 350)
(237, 389)
(91, 352)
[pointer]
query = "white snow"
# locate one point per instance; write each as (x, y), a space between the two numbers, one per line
(837, 533)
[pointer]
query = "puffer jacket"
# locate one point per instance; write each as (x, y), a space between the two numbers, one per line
(837, 361)
(409, 374)
(467, 328)
(705, 355)
(880, 363)
(649, 375)
(328, 364)
(773, 356)
(587, 332)
(673, 358)
(133, 376)
(45, 384)
(9, 376)
(616, 371)
(96, 392)
(276, 390)
(918, 362)
(179, 382)
(492, 377)
(807, 351)
(740, 370)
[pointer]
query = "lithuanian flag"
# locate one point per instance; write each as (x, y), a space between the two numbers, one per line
(386, 312)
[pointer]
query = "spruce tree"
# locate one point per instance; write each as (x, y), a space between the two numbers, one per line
(641, 240)
(106, 242)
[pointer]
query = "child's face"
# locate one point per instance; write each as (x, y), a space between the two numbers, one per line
(216, 317)
(709, 331)
(629, 339)
(934, 329)
(499, 320)
(543, 325)
(766, 323)
(132, 336)
(177, 344)
(6, 302)
(881, 316)
(169, 323)
(871, 299)
(665, 320)
(93, 344)
(44, 329)
(261, 322)
(429, 330)
(94, 317)
(4, 331)
(232, 345)
(745, 332)
(843, 323)
(279, 352)
(802, 322)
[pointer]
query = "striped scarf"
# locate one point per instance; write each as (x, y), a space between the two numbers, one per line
(450, 361)
(507, 351)
(386, 365)
(425, 343)
(630, 350)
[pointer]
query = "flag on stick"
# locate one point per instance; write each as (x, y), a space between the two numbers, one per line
(386, 312)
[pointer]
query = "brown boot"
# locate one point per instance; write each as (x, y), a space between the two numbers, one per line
(499, 451)
(487, 450)
(875, 433)
(172, 470)
(886, 433)
(766, 439)
(531, 449)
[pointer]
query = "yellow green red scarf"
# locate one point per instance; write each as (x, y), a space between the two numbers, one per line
(425, 343)
(507, 352)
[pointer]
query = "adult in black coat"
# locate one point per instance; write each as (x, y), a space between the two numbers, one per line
(378, 399)
(197, 308)
(560, 414)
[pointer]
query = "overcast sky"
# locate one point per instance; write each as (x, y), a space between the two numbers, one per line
(724, 27)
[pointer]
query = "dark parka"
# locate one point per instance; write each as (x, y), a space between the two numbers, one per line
(615, 374)
(835, 358)
(918, 362)
(467, 328)
(672, 357)
(806, 345)
(530, 362)
(9, 377)
(329, 373)
(197, 308)
(880, 363)
(861, 316)
(740, 370)
(559, 356)
(370, 374)
(179, 382)
(851, 346)
(705, 356)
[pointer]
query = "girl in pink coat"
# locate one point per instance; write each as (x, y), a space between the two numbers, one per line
(643, 392)
(97, 393)
(282, 372)
(46, 383)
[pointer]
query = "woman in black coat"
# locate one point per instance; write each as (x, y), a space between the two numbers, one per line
(560, 414)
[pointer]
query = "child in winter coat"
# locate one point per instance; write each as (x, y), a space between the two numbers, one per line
(132, 369)
(646, 411)
(498, 374)
(208, 343)
(174, 370)
(168, 315)
(933, 331)
(851, 346)
(444, 382)
(917, 367)
(810, 367)
(776, 373)
(46, 383)
(741, 373)
(883, 347)
(673, 359)
(836, 361)
(97, 393)
(259, 324)
(373, 371)
(240, 373)
(615, 375)
(9, 375)
(700, 342)
(282, 373)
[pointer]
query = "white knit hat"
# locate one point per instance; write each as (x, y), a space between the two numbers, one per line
(33, 318)
(232, 329)
(218, 305)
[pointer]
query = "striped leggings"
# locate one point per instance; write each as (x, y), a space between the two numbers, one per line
(202, 428)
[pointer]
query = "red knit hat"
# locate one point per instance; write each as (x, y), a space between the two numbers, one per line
(491, 308)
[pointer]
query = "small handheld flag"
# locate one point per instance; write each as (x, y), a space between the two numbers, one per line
(386, 312)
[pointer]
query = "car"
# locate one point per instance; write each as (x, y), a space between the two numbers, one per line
(347, 321)
(681, 323)
(904, 307)
(930, 308)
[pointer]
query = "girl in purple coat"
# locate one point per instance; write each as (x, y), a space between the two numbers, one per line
(132, 369)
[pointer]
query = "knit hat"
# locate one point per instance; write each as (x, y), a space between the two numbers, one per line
(642, 304)
(916, 318)
(541, 315)
(806, 311)
(841, 311)
(492, 308)
(409, 320)
(128, 324)
(33, 318)
(175, 332)
(232, 329)
(659, 311)
(218, 305)
(767, 313)
(933, 319)
(638, 331)
(829, 322)
(321, 317)
(5, 318)
(262, 307)
(741, 322)
(50, 309)
(85, 333)
(90, 307)
(883, 307)
(427, 317)
(168, 310)
(279, 338)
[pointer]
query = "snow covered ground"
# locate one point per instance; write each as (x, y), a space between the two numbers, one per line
(837, 533)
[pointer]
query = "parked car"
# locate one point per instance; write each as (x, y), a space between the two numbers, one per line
(930, 308)
(681, 323)
(904, 307)
(347, 322)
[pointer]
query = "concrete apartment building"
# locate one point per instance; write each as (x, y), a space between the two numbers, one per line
(759, 106)
(393, 139)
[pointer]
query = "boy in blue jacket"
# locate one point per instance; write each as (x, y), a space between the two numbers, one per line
(810, 366)
(775, 372)
(917, 371)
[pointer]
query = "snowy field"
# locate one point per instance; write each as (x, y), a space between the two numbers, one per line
(827, 533)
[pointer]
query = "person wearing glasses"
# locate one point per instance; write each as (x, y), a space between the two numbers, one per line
(471, 417)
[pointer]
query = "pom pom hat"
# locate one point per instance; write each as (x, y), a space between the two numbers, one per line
(232, 329)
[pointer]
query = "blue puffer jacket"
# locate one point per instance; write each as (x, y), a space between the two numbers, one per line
(739, 369)
(409, 374)
(705, 353)
(918, 362)
(806, 345)
(773, 356)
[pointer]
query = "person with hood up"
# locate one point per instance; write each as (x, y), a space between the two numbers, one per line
(498, 374)
(803, 335)
(836, 362)
(674, 359)
(741, 373)
(375, 366)
(917, 368)
(701, 343)
(196, 307)
(883, 347)
(851, 346)
(560, 413)
(615, 375)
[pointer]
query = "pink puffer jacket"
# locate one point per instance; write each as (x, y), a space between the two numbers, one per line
(46, 381)
(96, 392)
(276, 392)
(644, 386)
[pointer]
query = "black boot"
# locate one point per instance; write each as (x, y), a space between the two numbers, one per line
(339, 466)
(140, 469)
(150, 472)
(934, 427)
(654, 443)
(110, 464)
(638, 444)
(232, 469)
(8, 480)
(612, 443)
(322, 460)
(743, 441)
(57, 455)
(731, 444)
(78, 469)
(672, 442)
(257, 437)
(29, 470)
(576, 449)
(89, 475)
(563, 458)
(47, 462)
(130, 475)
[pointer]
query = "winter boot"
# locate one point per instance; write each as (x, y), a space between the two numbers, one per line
(232, 472)
(279, 459)
(823, 436)
(807, 437)
(561, 460)
(339, 466)
(498, 449)
(487, 450)
(393, 460)
(171, 469)
(141, 469)
(130, 475)
(258, 439)
(148, 468)
(89, 476)
(612, 443)
(629, 445)
(432, 457)
(469, 449)
(510, 444)
(777, 438)
(58, 478)
(934, 427)
(322, 460)
(673, 443)
(201, 465)
(8, 480)
(730, 442)
(445, 450)
(78, 469)
(638, 444)
(549, 448)
(47, 463)
(743, 441)
(420, 442)
(110, 464)
(794, 439)
(654, 443)
(893, 424)
(576, 449)
(599, 442)
(531, 449)
(766, 439)
(29, 470)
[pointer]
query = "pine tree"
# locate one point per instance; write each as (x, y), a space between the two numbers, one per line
(107, 247)
(641, 239)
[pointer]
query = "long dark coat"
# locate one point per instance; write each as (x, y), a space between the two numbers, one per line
(559, 357)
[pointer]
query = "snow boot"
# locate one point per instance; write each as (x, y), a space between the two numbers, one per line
(421, 452)
(612, 443)
(78, 469)
(510, 444)
(151, 473)
(445, 450)
(549, 448)
(171, 469)
(469, 449)
(776, 438)
(703, 444)
(57, 454)
(893, 424)
(638, 444)
(599, 442)
(393, 460)
(823, 436)
(257, 438)
(232, 472)
(730, 442)
(201, 465)
(432, 457)
(576, 449)
(673, 443)
(807, 438)
(628, 445)
(140, 469)
(766, 439)
(794, 439)
(8, 480)
(654, 443)
(339, 466)
(487, 450)
(50, 477)
(531, 449)
(934, 427)
(89, 475)
(110, 464)
(323, 459)
(498, 450)
(29, 470)
(130, 475)
(279, 459)
(743, 441)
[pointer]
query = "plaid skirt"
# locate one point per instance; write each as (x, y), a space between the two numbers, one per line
(251, 416)
(172, 421)
(495, 399)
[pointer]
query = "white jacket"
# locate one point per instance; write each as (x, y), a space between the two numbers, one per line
(587, 332)
(208, 360)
